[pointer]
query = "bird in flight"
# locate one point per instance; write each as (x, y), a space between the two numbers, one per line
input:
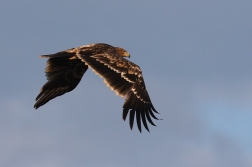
(65, 69)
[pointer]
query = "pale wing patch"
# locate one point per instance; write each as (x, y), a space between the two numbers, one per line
(133, 70)
(138, 96)
(105, 79)
(86, 46)
(127, 66)
(114, 69)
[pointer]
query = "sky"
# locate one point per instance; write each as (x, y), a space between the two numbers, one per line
(196, 61)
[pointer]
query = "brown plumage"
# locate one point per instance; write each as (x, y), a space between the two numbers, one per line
(65, 69)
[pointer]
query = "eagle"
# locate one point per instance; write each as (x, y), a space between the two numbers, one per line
(65, 69)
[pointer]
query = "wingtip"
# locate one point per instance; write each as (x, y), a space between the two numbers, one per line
(36, 106)
(131, 128)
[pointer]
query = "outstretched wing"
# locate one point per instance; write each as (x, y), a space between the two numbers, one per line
(125, 78)
(64, 72)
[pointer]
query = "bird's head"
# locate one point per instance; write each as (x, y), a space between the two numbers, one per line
(122, 52)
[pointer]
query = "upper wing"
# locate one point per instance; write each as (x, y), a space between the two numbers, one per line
(125, 78)
(64, 72)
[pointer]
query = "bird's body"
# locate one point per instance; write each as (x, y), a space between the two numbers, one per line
(65, 69)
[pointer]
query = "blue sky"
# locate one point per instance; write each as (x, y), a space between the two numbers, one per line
(196, 61)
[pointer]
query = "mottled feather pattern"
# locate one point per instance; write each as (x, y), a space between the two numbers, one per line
(127, 69)
(65, 69)
(111, 78)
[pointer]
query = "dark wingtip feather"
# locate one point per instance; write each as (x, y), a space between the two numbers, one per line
(151, 113)
(125, 113)
(38, 104)
(131, 118)
(40, 94)
(144, 121)
(152, 107)
(149, 118)
(138, 120)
